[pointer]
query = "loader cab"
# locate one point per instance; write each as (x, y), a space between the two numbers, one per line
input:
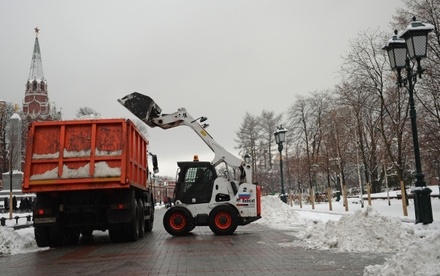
(195, 182)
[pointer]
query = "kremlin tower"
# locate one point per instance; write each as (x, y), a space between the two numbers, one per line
(36, 106)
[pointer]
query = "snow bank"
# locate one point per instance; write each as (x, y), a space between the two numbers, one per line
(365, 231)
(278, 215)
(420, 257)
(372, 229)
(18, 241)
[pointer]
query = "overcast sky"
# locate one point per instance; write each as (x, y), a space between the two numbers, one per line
(217, 59)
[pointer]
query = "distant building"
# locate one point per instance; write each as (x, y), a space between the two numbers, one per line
(36, 105)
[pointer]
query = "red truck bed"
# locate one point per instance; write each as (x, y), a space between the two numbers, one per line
(85, 155)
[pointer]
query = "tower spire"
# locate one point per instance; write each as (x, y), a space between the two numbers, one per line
(36, 71)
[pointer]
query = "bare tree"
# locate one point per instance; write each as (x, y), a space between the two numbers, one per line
(305, 118)
(248, 140)
(87, 112)
(268, 123)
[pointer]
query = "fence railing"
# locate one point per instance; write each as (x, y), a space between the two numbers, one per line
(26, 221)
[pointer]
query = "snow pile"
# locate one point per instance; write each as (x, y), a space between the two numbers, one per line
(421, 257)
(278, 215)
(371, 229)
(364, 231)
(16, 242)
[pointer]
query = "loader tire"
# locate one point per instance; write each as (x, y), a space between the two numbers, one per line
(223, 220)
(177, 221)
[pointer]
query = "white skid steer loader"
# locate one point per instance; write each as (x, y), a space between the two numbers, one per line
(206, 193)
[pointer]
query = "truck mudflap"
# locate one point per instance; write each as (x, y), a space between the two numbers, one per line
(142, 107)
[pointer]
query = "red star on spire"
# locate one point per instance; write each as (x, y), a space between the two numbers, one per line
(36, 30)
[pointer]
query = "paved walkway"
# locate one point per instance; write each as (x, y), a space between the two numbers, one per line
(253, 250)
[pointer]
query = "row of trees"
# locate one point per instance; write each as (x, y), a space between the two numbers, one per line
(359, 131)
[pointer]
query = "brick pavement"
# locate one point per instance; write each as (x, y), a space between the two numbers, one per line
(253, 250)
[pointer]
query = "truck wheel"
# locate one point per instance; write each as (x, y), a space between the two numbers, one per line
(141, 218)
(223, 220)
(86, 232)
(73, 236)
(115, 232)
(177, 221)
(131, 229)
(58, 236)
(42, 236)
(149, 222)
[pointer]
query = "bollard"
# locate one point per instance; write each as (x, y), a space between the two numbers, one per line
(16, 219)
(422, 204)
(3, 221)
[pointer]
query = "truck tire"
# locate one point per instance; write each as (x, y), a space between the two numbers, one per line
(131, 229)
(42, 233)
(141, 218)
(223, 220)
(86, 232)
(42, 236)
(58, 236)
(115, 232)
(177, 221)
(149, 222)
(73, 236)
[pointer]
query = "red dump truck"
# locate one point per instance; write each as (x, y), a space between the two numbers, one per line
(88, 175)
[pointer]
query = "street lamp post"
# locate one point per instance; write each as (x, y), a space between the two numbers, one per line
(411, 45)
(280, 137)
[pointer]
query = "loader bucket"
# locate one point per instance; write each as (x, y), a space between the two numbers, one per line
(142, 107)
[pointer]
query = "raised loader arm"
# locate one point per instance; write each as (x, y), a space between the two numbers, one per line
(149, 112)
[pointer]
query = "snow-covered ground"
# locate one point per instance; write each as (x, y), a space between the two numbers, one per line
(377, 228)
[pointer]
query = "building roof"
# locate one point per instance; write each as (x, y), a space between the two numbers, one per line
(36, 71)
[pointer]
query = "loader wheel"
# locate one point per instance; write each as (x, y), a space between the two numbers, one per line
(223, 220)
(42, 236)
(177, 221)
